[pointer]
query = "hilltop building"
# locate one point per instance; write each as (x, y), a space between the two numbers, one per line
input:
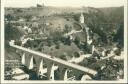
(40, 5)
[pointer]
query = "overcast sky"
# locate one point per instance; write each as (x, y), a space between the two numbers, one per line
(73, 3)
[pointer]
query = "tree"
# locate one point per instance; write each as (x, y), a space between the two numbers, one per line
(119, 36)
(9, 17)
(63, 56)
(67, 28)
(28, 17)
(76, 54)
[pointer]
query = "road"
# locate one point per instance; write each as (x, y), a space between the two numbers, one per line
(80, 59)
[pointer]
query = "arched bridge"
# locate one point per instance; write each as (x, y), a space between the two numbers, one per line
(50, 61)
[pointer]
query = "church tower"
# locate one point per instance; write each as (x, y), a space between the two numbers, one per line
(81, 18)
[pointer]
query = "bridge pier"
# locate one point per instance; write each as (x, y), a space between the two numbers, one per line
(37, 64)
(31, 65)
(66, 75)
(49, 70)
(41, 66)
(23, 59)
(62, 73)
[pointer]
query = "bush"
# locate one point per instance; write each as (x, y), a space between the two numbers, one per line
(76, 54)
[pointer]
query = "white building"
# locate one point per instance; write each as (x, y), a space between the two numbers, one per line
(82, 18)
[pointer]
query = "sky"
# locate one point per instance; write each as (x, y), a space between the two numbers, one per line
(72, 3)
